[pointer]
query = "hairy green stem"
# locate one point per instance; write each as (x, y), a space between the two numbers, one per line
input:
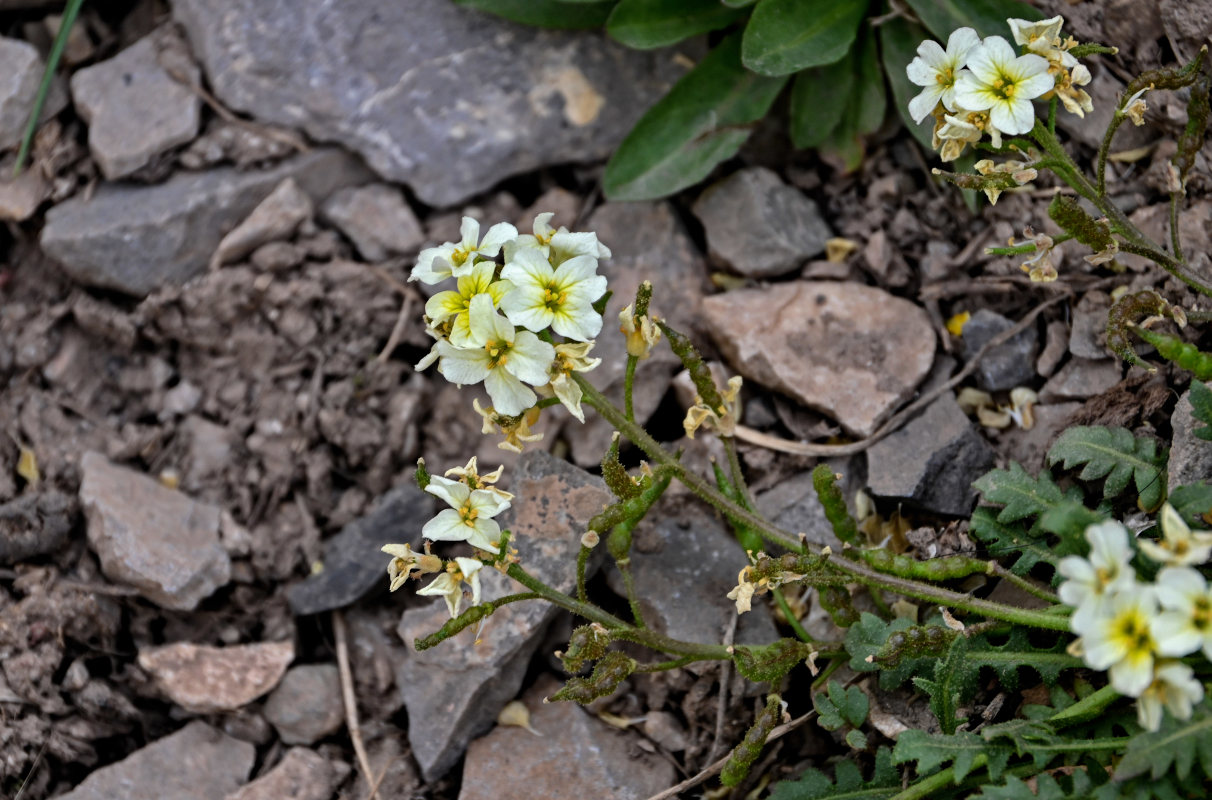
(633, 600)
(858, 571)
(628, 387)
(792, 619)
(582, 564)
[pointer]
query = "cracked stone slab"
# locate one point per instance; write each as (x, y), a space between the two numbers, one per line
(454, 691)
(446, 99)
(203, 679)
(848, 350)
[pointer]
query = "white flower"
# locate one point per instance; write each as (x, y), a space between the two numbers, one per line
(723, 419)
(1004, 84)
(956, 131)
(436, 264)
(1186, 623)
(404, 562)
(1134, 108)
(500, 356)
(1038, 37)
(569, 358)
(454, 305)
(474, 480)
(1091, 583)
(642, 332)
(560, 298)
(516, 428)
(449, 583)
(557, 245)
(469, 519)
(1174, 686)
(1121, 640)
(936, 70)
(742, 593)
(1179, 546)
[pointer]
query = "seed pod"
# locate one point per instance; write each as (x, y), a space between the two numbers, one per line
(1093, 233)
(1167, 78)
(745, 753)
(936, 569)
(587, 643)
(918, 641)
(615, 474)
(750, 540)
(643, 296)
(611, 670)
(1184, 354)
(1192, 138)
(1122, 318)
(836, 600)
(421, 476)
(825, 484)
(468, 618)
(769, 663)
(693, 362)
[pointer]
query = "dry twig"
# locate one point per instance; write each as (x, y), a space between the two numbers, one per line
(351, 702)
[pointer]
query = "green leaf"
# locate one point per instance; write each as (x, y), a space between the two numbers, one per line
(702, 121)
(865, 638)
(1177, 745)
(1046, 787)
(738, 3)
(546, 13)
(1022, 495)
(899, 39)
(1193, 502)
(1201, 408)
(953, 685)
(841, 706)
(1015, 546)
(818, 102)
(815, 785)
(1017, 652)
(1069, 521)
(988, 17)
(965, 751)
(786, 36)
(865, 110)
(856, 739)
(1118, 456)
(645, 24)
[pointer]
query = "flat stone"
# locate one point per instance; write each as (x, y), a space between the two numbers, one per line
(1088, 336)
(1008, 365)
(454, 691)
(302, 774)
(307, 704)
(1081, 378)
(21, 71)
(204, 679)
(134, 239)
(197, 762)
(354, 564)
(1190, 457)
(932, 461)
(150, 537)
(376, 218)
(685, 561)
(850, 351)
(134, 108)
(278, 216)
(577, 756)
(648, 242)
(760, 226)
(1056, 345)
(21, 195)
(421, 90)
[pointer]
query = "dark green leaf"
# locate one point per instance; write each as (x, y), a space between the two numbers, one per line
(1012, 543)
(1178, 745)
(546, 13)
(818, 101)
(964, 750)
(1193, 502)
(856, 739)
(1069, 521)
(1016, 653)
(1022, 495)
(644, 24)
(702, 121)
(840, 706)
(1116, 455)
(953, 685)
(1043, 787)
(988, 17)
(1201, 408)
(865, 638)
(786, 36)
(899, 39)
(738, 3)
(865, 110)
(815, 785)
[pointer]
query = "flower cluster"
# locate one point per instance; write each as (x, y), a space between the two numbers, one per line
(474, 501)
(512, 293)
(1139, 631)
(977, 87)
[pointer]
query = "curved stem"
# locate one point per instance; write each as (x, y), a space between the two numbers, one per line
(629, 387)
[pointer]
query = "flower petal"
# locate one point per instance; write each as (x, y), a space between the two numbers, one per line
(508, 395)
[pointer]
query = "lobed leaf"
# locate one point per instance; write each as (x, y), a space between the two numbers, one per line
(645, 24)
(1022, 495)
(1017, 652)
(815, 785)
(1017, 547)
(786, 36)
(1117, 456)
(1178, 745)
(702, 121)
(965, 751)
(1201, 408)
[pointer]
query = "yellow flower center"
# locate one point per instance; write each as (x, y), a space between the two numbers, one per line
(553, 297)
(945, 77)
(1201, 617)
(498, 352)
(459, 256)
(1004, 87)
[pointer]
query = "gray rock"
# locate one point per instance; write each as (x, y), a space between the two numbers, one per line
(203, 679)
(422, 90)
(278, 216)
(138, 238)
(376, 219)
(134, 108)
(932, 461)
(685, 560)
(302, 774)
(850, 351)
(37, 522)
(1056, 345)
(354, 563)
(1190, 457)
(648, 242)
(760, 226)
(197, 762)
(20, 73)
(1030, 447)
(307, 704)
(1009, 364)
(1088, 336)
(150, 537)
(454, 691)
(1187, 26)
(1081, 378)
(577, 756)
